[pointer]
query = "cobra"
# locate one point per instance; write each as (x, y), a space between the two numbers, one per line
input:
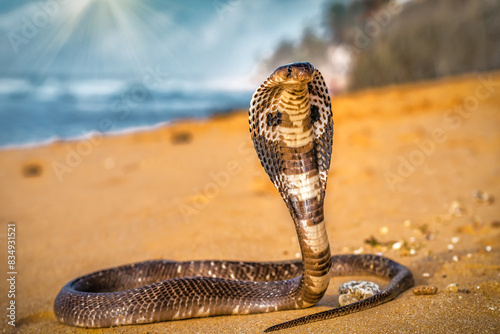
(292, 129)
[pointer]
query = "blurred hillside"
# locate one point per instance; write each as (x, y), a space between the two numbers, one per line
(369, 43)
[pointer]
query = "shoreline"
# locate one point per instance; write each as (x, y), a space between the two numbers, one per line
(225, 113)
(122, 132)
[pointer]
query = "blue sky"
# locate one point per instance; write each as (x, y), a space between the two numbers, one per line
(190, 40)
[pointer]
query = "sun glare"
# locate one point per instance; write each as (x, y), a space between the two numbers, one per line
(101, 36)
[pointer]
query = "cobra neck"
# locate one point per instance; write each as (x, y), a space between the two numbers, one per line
(304, 193)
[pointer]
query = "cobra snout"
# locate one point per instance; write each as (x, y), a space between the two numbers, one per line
(294, 73)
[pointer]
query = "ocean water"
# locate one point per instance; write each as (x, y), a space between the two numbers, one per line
(34, 114)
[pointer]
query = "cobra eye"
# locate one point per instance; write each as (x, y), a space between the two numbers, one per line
(289, 74)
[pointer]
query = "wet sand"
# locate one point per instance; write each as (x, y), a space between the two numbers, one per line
(415, 169)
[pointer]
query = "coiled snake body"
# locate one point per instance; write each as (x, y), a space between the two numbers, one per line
(292, 129)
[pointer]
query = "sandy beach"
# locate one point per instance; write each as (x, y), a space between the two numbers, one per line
(415, 171)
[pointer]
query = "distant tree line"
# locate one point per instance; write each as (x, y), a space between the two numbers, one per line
(426, 39)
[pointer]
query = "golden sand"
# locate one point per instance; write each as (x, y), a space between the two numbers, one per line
(415, 169)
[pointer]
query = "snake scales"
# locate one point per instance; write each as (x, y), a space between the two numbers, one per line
(292, 129)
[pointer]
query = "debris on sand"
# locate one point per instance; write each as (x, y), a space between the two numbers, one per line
(32, 170)
(354, 291)
(453, 288)
(483, 197)
(456, 209)
(424, 290)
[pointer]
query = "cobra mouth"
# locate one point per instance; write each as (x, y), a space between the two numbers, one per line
(294, 73)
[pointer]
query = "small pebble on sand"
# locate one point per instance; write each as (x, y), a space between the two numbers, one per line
(32, 170)
(453, 288)
(456, 209)
(483, 197)
(183, 137)
(359, 250)
(425, 290)
(354, 291)
(397, 245)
